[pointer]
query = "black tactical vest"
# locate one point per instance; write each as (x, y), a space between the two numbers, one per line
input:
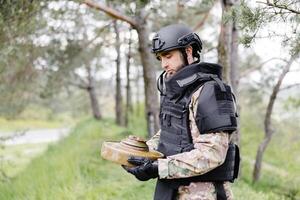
(175, 136)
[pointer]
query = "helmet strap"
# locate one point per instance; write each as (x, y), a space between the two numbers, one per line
(196, 51)
(184, 55)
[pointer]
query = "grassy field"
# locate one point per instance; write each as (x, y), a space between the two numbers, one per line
(36, 117)
(19, 125)
(14, 158)
(73, 169)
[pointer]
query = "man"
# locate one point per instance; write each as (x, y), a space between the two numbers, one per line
(197, 117)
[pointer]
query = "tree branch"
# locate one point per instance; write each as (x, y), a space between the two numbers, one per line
(84, 87)
(80, 82)
(290, 86)
(248, 71)
(201, 23)
(267, 121)
(98, 34)
(296, 70)
(206, 50)
(284, 7)
(111, 12)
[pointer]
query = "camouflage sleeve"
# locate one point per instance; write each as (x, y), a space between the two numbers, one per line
(210, 151)
(153, 142)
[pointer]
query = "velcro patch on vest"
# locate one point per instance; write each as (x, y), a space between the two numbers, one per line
(223, 95)
(226, 107)
(187, 81)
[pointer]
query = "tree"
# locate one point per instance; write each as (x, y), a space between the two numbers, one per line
(119, 110)
(72, 55)
(128, 80)
(224, 44)
(252, 21)
(18, 20)
(90, 88)
(267, 121)
(139, 23)
(228, 49)
(282, 6)
(78, 56)
(255, 18)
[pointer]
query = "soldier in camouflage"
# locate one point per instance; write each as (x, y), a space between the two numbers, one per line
(197, 118)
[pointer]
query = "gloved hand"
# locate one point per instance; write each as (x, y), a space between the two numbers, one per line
(145, 168)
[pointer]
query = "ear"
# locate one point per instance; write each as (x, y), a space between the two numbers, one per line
(189, 53)
(189, 50)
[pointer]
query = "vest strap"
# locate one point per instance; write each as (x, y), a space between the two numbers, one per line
(219, 187)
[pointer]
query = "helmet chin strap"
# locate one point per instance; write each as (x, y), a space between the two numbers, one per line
(184, 55)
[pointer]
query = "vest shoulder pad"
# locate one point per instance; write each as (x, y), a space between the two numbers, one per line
(216, 108)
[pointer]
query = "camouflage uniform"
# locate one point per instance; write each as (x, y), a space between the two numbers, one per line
(210, 152)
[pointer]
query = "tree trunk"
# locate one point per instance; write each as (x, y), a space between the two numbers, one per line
(259, 156)
(224, 45)
(138, 91)
(179, 11)
(234, 74)
(118, 110)
(228, 54)
(267, 122)
(128, 86)
(93, 97)
(151, 96)
(234, 59)
(94, 103)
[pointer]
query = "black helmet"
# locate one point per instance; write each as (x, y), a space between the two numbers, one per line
(176, 36)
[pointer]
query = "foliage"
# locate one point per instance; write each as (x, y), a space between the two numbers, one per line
(42, 49)
(292, 103)
(253, 19)
(16, 15)
(72, 45)
(250, 20)
(18, 20)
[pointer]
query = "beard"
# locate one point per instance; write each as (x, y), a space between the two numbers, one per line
(171, 72)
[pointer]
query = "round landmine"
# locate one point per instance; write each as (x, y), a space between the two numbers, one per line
(119, 152)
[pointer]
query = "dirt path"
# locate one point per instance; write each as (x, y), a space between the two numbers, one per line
(37, 136)
(17, 152)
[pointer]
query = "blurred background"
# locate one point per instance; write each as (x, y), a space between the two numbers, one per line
(76, 73)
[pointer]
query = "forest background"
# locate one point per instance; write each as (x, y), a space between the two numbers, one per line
(87, 66)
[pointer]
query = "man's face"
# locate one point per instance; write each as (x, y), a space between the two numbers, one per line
(171, 61)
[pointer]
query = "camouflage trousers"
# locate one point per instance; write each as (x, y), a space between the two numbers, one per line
(202, 191)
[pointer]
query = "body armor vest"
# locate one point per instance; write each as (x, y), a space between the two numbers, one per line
(175, 136)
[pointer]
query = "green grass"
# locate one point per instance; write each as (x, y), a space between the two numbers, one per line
(73, 169)
(280, 171)
(15, 158)
(37, 117)
(25, 124)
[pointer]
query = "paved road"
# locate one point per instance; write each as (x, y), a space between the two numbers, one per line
(38, 136)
